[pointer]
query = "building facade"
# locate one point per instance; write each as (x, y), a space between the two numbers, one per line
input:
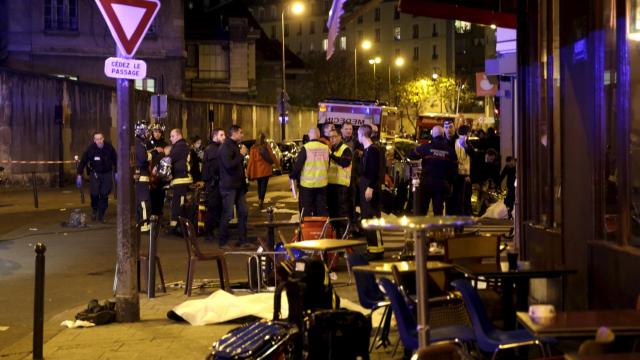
(426, 44)
(69, 38)
(221, 51)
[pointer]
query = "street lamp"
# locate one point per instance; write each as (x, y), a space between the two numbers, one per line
(374, 61)
(366, 45)
(296, 8)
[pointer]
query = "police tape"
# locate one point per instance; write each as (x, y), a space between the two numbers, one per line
(37, 162)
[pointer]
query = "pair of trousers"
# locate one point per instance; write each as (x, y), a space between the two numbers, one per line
(262, 187)
(460, 199)
(157, 195)
(177, 202)
(100, 185)
(339, 206)
(368, 210)
(313, 201)
(233, 198)
(143, 202)
(214, 209)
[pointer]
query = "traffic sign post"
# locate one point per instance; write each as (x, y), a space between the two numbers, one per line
(283, 110)
(128, 22)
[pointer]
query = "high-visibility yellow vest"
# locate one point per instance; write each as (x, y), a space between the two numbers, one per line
(316, 167)
(337, 174)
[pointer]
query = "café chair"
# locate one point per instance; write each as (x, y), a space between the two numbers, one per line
(370, 297)
(194, 254)
(407, 324)
(490, 339)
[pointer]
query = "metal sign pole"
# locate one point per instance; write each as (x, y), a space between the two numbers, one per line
(127, 301)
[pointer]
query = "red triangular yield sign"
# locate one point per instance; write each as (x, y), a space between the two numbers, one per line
(128, 21)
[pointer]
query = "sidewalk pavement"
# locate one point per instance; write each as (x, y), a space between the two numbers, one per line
(153, 337)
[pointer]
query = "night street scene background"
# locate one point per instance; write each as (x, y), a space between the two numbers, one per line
(319, 179)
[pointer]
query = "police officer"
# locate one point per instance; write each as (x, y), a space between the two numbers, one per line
(339, 177)
(312, 168)
(439, 168)
(101, 160)
(370, 187)
(181, 175)
(211, 177)
(156, 147)
(142, 176)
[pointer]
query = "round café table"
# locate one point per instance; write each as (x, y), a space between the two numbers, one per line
(420, 226)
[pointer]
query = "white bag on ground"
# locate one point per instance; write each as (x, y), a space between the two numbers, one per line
(497, 211)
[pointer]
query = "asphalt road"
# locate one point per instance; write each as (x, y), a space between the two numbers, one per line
(80, 263)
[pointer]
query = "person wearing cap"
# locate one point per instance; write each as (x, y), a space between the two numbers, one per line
(439, 168)
(462, 184)
(142, 175)
(156, 146)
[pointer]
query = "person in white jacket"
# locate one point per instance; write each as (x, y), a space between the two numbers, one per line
(462, 184)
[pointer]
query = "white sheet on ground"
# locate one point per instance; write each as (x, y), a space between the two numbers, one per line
(222, 306)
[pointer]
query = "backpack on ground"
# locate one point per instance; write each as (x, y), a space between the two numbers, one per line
(98, 313)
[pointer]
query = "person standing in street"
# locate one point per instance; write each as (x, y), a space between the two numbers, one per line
(370, 190)
(509, 172)
(181, 176)
(233, 186)
(450, 132)
(356, 150)
(101, 160)
(452, 203)
(439, 168)
(156, 147)
(211, 178)
(142, 175)
(462, 182)
(312, 168)
(339, 178)
(260, 167)
(196, 155)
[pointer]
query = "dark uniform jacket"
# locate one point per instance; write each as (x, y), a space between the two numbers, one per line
(439, 163)
(142, 158)
(99, 160)
(231, 164)
(211, 166)
(179, 159)
(370, 168)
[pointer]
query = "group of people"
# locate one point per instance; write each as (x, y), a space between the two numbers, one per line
(335, 171)
(452, 166)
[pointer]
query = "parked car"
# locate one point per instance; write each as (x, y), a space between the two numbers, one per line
(289, 152)
(274, 148)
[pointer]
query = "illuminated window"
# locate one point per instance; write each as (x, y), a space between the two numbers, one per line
(396, 33)
(325, 45)
(343, 43)
(147, 84)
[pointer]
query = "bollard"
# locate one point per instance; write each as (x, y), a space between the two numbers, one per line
(151, 272)
(34, 183)
(38, 303)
